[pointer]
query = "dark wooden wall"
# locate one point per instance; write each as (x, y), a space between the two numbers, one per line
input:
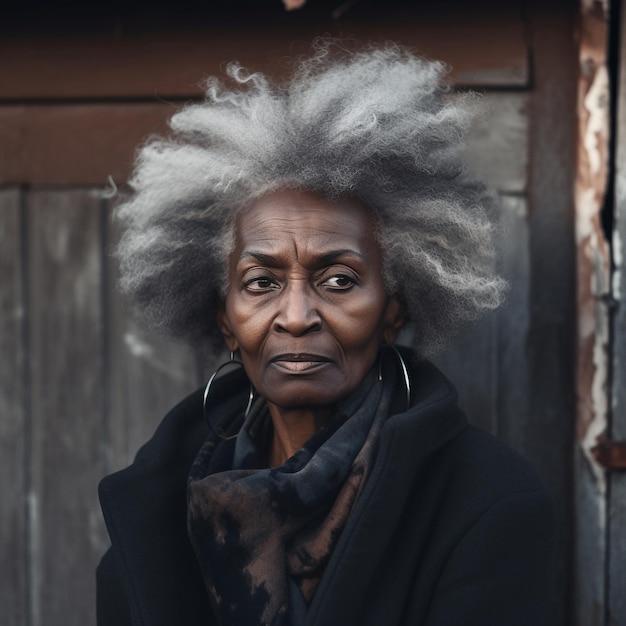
(82, 386)
(81, 389)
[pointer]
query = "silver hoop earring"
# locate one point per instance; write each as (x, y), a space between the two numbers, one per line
(403, 367)
(207, 390)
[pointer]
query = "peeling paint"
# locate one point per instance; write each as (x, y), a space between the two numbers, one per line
(599, 400)
(586, 210)
(593, 322)
(593, 249)
(596, 103)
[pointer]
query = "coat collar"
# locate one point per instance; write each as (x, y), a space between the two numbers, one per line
(408, 440)
(145, 512)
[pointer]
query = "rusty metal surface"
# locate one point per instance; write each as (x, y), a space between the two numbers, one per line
(593, 290)
(610, 454)
(592, 246)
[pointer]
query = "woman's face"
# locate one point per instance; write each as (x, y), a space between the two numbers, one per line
(306, 305)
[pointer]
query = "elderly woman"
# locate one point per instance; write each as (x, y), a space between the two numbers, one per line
(327, 476)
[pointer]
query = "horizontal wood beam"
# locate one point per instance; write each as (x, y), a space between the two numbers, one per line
(483, 50)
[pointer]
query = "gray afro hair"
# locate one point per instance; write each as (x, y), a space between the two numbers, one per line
(378, 125)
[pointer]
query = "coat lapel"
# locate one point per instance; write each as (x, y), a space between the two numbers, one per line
(145, 509)
(355, 563)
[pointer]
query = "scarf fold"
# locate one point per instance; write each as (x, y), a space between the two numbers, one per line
(264, 536)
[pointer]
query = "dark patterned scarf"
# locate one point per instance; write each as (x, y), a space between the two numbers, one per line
(264, 536)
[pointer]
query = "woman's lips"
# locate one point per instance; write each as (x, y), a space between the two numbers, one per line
(300, 362)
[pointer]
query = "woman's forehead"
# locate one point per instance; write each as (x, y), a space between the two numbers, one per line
(307, 218)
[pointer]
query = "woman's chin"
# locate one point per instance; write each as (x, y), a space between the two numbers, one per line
(303, 394)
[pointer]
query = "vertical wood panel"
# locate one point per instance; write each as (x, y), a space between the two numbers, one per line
(513, 421)
(468, 363)
(497, 151)
(13, 435)
(487, 362)
(551, 345)
(67, 401)
(148, 374)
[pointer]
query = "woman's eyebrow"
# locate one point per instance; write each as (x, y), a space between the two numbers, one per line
(330, 257)
(326, 258)
(265, 259)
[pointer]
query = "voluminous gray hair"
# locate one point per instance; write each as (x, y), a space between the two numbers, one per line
(378, 125)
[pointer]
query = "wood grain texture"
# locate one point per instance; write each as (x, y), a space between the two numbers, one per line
(126, 61)
(487, 361)
(551, 346)
(148, 374)
(497, 149)
(513, 423)
(67, 403)
(468, 362)
(99, 140)
(13, 416)
(75, 144)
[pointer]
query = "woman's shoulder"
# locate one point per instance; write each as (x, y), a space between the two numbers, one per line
(480, 459)
(184, 428)
(473, 458)
(180, 431)
(461, 468)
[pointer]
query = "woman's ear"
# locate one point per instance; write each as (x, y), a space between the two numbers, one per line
(223, 323)
(394, 320)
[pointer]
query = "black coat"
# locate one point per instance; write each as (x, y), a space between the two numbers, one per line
(451, 529)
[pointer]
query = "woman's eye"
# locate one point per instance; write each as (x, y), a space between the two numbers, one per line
(339, 281)
(261, 283)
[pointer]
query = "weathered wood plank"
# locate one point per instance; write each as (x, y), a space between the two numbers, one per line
(512, 328)
(148, 374)
(551, 346)
(468, 362)
(13, 426)
(67, 401)
(616, 552)
(497, 148)
(125, 60)
(99, 140)
(96, 141)
(487, 361)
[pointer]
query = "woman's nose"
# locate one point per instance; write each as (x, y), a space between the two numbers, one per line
(298, 313)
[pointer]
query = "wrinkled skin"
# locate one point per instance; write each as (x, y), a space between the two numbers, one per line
(306, 306)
